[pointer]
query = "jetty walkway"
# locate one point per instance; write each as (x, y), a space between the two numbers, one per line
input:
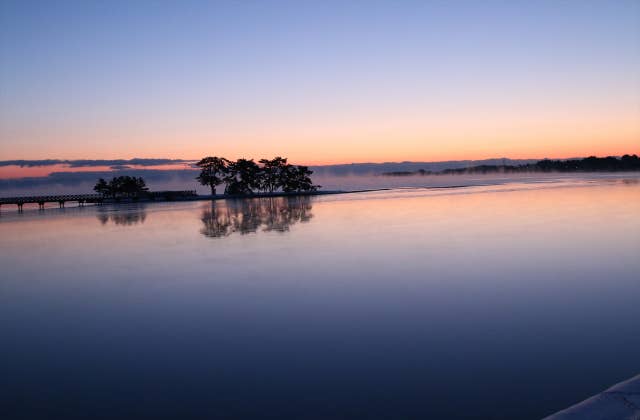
(187, 195)
(83, 199)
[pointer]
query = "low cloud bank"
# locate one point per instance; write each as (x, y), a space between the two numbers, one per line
(83, 163)
(378, 168)
(83, 182)
(355, 175)
(343, 169)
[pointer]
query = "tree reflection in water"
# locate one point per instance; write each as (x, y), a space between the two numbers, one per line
(127, 217)
(221, 219)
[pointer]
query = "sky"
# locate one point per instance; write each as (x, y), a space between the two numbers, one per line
(320, 82)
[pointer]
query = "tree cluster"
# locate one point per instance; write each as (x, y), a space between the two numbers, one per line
(121, 186)
(591, 164)
(245, 177)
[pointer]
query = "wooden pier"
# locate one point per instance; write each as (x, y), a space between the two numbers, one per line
(83, 199)
(41, 200)
(187, 195)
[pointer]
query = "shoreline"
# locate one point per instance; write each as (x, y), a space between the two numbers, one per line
(95, 200)
(280, 194)
(82, 200)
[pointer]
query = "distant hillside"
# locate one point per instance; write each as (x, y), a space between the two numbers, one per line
(378, 168)
(590, 164)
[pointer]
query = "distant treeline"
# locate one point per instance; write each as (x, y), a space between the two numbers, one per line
(590, 164)
(245, 177)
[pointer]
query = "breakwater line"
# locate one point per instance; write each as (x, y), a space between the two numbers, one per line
(154, 196)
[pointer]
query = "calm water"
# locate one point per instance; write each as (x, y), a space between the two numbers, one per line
(503, 302)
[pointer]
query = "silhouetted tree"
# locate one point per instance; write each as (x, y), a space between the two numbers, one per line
(102, 187)
(213, 172)
(297, 178)
(243, 177)
(141, 186)
(272, 173)
(132, 187)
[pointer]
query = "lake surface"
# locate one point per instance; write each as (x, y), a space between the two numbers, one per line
(488, 302)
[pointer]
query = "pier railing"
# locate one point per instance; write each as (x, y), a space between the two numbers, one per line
(83, 199)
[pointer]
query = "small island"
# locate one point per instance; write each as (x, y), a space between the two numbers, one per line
(246, 177)
(243, 177)
(276, 177)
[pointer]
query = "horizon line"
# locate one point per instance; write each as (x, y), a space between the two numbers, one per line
(146, 161)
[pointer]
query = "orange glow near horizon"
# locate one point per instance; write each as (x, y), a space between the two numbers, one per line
(387, 134)
(519, 81)
(381, 141)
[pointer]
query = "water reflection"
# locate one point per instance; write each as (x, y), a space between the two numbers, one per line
(387, 304)
(127, 217)
(250, 215)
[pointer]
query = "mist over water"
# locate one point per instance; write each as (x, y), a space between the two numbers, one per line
(375, 181)
(520, 299)
(83, 182)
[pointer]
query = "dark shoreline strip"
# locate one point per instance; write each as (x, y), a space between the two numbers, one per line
(94, 199)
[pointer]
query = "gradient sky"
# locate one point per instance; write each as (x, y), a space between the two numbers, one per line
(319, 81)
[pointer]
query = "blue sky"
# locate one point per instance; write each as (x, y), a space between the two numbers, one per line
(318, 80)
